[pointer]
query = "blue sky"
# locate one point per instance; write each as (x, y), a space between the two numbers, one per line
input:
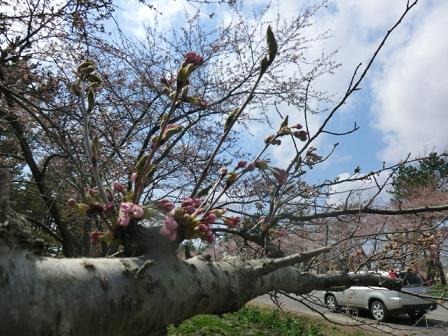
(402, 107)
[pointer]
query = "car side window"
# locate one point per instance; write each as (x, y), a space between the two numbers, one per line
(410, 279)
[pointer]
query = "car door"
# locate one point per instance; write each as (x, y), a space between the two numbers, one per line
(341, 297)
(357, 296)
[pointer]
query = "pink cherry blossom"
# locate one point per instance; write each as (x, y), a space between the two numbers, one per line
(137, 211)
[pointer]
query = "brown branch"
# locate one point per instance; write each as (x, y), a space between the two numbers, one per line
(364, 210)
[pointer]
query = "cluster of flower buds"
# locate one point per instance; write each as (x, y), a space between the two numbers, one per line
(88, 75)
(192, 58)
(312, 157)
(190, 63)
(192, 219)
(92, 206)
(129, 210)
(295, 130)
(272, 140)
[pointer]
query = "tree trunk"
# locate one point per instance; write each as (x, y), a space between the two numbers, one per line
(139, 296)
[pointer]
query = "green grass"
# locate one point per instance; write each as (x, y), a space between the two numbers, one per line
(439, 291)
(260, 322)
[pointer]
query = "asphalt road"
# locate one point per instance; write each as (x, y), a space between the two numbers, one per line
(435, 323)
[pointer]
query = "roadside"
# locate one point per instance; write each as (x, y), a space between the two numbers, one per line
(435, 323)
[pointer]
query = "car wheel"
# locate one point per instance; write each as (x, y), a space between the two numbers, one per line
(331, 303)
(416, 315)
(378, 310)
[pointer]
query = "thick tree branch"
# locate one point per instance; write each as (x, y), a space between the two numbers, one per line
(139, 296)
(359, 211)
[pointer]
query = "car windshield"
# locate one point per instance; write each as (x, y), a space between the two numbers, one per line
(410, 279)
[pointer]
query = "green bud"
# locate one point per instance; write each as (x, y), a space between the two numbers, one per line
(204, 192)
(231, 179)
(284, 131)
(94, 78)
(231, 119)
(171, 130)
(272, 44)
(261, 164)
(284, 122)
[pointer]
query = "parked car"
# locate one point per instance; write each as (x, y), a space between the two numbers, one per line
(382, 302)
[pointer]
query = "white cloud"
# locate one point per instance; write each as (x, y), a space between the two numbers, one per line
(410, 94)
(359, 191)
(166, 14)
(408, 85)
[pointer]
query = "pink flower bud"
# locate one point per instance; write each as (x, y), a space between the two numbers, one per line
(210, 218)
(297, 126)
(72, 203)
(165, 205)
(203, 228)
(126, 207)
(302, 135)
(232, 222)
(189, 201)
(250, 167)
(171, 234)
(124, 220)
(241, 164)
(164, 231)
(280, 175)
(107, 208)
(137, 211)
(118, 187)
(190, 204)
(193, 58)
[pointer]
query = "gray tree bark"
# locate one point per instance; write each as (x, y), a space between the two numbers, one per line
(135, 295)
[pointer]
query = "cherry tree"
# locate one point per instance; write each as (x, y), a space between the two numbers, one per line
(130, 167)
